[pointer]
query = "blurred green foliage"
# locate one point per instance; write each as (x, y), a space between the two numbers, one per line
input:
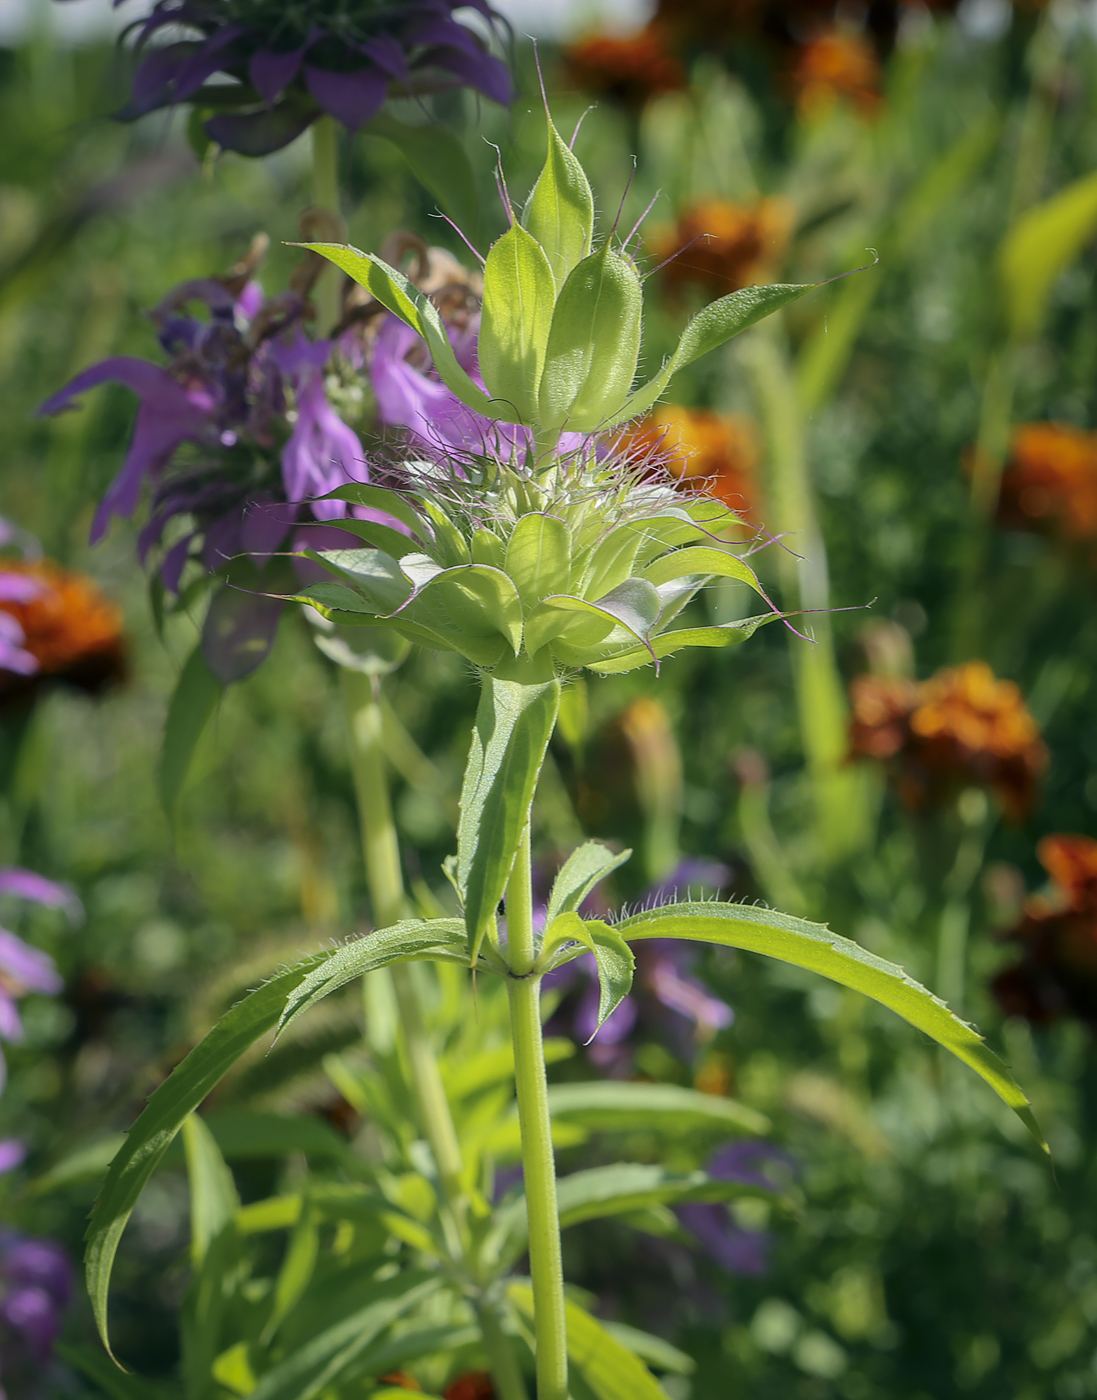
(934, 1254)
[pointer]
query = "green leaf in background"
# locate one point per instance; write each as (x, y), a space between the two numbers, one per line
(296, 1270)
(439, 161)
(622, 1107)
(560, 211)
(610, 1370)
(815, 948)
(513, 725)
(654, 1350)
(167, 1110)
(190, 710)
(308, 1371)
(710, 328)
(115, 1384)
(519, 294)
(1043, 242)
(407, 941)
(213, 1197)
(586, 867)
(614, 958)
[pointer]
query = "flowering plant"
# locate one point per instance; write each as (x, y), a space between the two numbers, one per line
(538, 550)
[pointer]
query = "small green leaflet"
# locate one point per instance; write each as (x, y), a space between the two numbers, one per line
(513, 725)
(586, 867)
(560, 211)
(814, 947)
(615, 959)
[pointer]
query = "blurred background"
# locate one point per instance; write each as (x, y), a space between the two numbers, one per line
(920, 772)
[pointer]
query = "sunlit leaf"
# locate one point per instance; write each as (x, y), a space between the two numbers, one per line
(585, 868)
(1043, 242)
(612, 1106)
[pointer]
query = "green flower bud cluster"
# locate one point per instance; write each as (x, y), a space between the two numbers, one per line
(561, 329)
(529, 580)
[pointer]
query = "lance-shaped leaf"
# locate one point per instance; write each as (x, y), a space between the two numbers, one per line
(560, 211)
(397, 294)
(519, 296)
(634, 606)
(386, 538)
(327, 1356)
(513, 725)
(594, 344)
(609, 1106)
(380, 498)
(539, 557)
(1042, 243)
(344, 606)
(371, 573)
(190, 709)
(710, 328)
(412, 940)
(614, 958)
(814, 947)
(587, 866)
(610, 1370)
(727, 634)
(167, 1109)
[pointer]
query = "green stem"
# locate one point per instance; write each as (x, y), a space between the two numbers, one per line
(538, 1162)
(325, 195)
(381, 851)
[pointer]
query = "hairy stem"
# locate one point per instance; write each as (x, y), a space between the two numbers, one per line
(325, 195)
(538, 1162)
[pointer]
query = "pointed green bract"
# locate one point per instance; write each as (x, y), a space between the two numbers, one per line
(519, 296)
(709, 329)
(814, 947)
(560, 211)
(538, 557)
(593, 346)
(727, 634)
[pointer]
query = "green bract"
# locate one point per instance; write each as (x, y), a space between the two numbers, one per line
(560, 338)
(527, 580)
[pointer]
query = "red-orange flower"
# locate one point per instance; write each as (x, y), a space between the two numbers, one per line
(961, 727)
(720, 246)
(1057, 971)
(713, 454)
(1050, 480)
(630, 68)
(476, 1385)
(834, 65)
(70, 626)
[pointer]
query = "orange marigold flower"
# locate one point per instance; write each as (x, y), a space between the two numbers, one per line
(961, 727)
(631, 68)
(713, 454)
(1050, 480)
(720, 246)
(476, 1385)
(832, 66)
(71, 628)
(1057, 971)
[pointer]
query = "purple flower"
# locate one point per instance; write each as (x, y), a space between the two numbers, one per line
(292, 63)
(236, 439)
(23, 968)
(734, 1248)
(35, 1288)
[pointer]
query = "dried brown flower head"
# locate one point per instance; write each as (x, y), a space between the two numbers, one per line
(720, 247)
(1057, 972)
(712, 454)
(834, 66)
(631, 68)
(1050, 481)
(960, 728)
(71, 628)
